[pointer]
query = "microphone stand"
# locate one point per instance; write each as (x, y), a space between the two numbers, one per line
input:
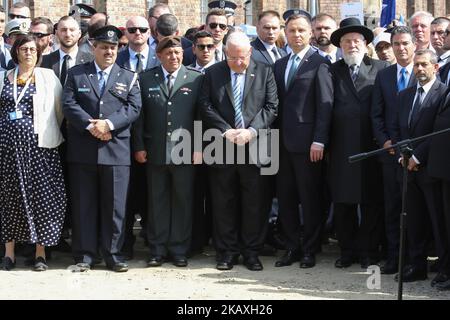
(405, 148)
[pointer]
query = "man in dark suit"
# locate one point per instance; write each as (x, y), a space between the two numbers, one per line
(300, 177)
(388, 83)
(438, 160)
(418, 106)
(323, 26)
(264, 47)
(444, 70)
(343, 125)
(169, 95)
(100, 102)
(216, 24)
(138, 56)
(203, 47)
(239, 98)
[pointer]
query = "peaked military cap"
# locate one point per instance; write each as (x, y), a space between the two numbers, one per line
(228, 6)
(109, 34)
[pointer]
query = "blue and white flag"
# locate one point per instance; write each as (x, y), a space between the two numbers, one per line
(387, 13)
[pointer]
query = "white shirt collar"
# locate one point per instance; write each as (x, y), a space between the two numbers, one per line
(144, 52)
(445, 55)
(73, 54)
(107, 70)
(199, 67)
(409, 69)
(302, 53)
(174, 74)
(427, 86)
(267, 46)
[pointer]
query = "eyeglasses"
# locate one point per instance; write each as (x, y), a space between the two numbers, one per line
(214, 25)
(238, 58)
(204, 46)
(447, 32)
(25, 49)
(134, 29)
(14, 16)
(40, 34)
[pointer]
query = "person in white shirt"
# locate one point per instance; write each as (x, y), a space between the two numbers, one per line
(323, 26)
(203, 47)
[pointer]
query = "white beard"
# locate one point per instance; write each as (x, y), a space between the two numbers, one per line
(353, 58)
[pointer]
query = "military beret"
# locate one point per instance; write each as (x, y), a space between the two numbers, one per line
(18, 26)
(168, 42)
(110, 34)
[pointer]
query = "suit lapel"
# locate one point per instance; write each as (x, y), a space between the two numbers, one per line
(181, 77)
(345, 72)
(55, 63)
(425, 102)
(249, 77)
(301, 65)
(92, 76)
(364, 70)
(260, 46)
(412, 80)
(112, 77)
(282, 72)
(159, 77)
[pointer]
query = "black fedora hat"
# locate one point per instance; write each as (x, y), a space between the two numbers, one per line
(351, 25)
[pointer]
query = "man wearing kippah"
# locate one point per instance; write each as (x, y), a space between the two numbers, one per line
(100, 102)
(169, 96)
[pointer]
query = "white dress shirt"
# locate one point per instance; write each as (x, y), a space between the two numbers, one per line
(71, 61)
(409, 71)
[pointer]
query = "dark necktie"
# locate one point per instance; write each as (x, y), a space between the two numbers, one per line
(64, 68)
(275, 54)
(217, 55)
(354, 72)
(2, 60)
(329, 58)
(139, 65)
(293, 70)
(169, 83)
(416, 106)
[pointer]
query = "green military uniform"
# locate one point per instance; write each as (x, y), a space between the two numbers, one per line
(170, 185)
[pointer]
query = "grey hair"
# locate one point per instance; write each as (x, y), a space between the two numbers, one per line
(425, 14)
(238, 38)
(433, 56)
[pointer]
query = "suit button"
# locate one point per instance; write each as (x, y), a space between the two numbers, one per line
(100, 115)
(101, 102)
(169, 103)
(169, 123)
(168, 133)
(169, 113)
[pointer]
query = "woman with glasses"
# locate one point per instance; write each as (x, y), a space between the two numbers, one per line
(32, 194)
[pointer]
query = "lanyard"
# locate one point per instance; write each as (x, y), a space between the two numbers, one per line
(22, 93)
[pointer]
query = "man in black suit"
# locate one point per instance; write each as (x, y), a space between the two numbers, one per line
(300, 177)
(239, 98)
(418, 106)
(138, 56)
(216, 24)
(264, 47)
(323, 26)
(438, 160)
(169, 95)
(203, 47)
(444, 70)
(101, 100)
(343, 125)
(388, 83)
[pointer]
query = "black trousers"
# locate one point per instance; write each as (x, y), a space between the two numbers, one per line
(358, 236)
(392, 209)
(98, 211)
(300, 181)
(424, 205)
(445, 260)
(239, 210)
(171, 192)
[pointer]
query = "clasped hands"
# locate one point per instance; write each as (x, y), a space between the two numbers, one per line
(100, 129)
(239, 136)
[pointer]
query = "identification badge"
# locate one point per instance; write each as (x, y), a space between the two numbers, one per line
(15, 115)
(84, 90)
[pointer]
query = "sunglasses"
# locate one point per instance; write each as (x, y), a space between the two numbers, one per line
(14, 16)
(134, 29)
(40, 34)
(204, 46)
(214, 25)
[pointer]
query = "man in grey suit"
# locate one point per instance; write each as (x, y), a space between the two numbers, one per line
(388, 83)
(344, 126)
(268, 29)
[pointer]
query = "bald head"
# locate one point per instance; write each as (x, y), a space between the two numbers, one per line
(137, 32)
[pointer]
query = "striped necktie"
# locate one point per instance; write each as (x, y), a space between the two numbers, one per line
(237, 96)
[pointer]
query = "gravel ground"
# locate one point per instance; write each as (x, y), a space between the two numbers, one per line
(200, 280)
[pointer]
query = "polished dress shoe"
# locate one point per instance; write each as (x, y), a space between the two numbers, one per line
(253, 264)
(443, 286)
(343, 262)
(119, 267)
(439, 278)
(390, 267)
(155, 261)
(180, 261)
(413, 273)
(227, 262)
(8, 264)
(308, 261)
(40, 264)
(289, 257)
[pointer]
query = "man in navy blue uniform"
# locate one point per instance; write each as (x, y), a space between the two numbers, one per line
(101, 100)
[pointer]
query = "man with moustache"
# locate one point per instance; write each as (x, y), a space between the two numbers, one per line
(42, 29)
(268, 29)
(101, 100)
(388, 83)
(343, 126)
(323, 26)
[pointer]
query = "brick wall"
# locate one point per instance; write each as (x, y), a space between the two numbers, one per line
(120, 11)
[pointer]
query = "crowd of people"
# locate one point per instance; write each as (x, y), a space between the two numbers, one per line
(99, 125)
